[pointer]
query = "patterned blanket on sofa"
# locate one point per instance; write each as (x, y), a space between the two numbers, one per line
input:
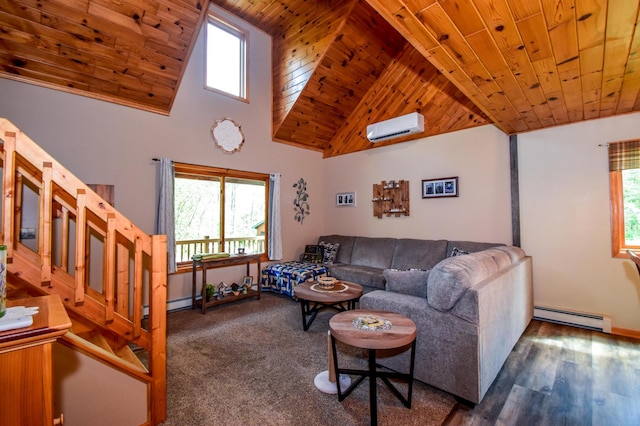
(283, 277)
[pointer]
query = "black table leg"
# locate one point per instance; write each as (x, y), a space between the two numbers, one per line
(373, 374)
(311, 311)
(373, 394)
(408, 377)
(307, 310)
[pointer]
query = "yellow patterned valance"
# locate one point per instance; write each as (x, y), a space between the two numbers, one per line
(624, 155)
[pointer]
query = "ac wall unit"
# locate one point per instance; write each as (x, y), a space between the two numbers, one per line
(396, 127)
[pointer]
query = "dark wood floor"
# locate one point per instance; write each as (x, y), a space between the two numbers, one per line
(562, 375)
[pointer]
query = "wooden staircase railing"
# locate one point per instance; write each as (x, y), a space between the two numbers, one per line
(79, 233)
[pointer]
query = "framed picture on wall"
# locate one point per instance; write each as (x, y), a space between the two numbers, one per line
(438, 188)
(346, 199)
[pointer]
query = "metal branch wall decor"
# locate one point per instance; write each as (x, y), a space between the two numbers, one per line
(300, 204)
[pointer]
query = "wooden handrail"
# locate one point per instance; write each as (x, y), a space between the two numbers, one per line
(8, 189)
(129, 255)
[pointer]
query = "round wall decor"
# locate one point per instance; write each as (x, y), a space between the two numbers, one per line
(227, 135)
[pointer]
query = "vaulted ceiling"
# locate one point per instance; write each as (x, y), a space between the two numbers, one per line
(339, 65)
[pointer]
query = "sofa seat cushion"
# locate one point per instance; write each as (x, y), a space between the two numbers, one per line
(418, 254)
(363, 275)
(451, 278)
(412, 282)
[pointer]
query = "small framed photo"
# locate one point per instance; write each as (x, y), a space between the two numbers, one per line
(247, 281)
(438, 188)
(346, 199)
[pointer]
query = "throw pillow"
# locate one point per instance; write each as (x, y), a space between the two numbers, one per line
(330, 252)
(412, 281)
(457, 252)
(313, 254)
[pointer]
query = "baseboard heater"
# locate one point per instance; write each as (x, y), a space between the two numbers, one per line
(172, 305)
(576, 319)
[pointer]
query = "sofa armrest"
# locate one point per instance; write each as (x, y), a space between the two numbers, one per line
(505, 305)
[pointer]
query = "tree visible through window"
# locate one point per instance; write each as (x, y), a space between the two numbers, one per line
(226, 58)
(624, 181)
(219, 211)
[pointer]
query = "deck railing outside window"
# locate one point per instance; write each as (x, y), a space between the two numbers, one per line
(187, 248)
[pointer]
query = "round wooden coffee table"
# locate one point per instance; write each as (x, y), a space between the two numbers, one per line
(313, 299)
(373, 330)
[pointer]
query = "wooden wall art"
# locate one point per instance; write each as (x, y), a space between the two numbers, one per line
(391, 198)
(227, 135)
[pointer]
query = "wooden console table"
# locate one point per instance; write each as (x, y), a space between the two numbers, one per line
(232, 260)
(26, 363)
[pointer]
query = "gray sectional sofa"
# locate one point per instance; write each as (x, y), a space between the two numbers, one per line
(363, 259)
(470, 309)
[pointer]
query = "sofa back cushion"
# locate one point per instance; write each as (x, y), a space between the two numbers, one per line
(412, 282)
(418, 254)
(373, 252)
(515, 253)
(451, 278)
(469, 246)
(344, 249)
(501, 257)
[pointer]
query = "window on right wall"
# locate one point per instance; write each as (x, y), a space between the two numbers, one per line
(624, 186)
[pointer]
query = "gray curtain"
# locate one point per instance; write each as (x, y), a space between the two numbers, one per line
(275, 232)
(165, 223)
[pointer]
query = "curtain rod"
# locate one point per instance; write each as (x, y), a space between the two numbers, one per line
(227, 170)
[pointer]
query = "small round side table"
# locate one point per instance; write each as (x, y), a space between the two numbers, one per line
(388, 331)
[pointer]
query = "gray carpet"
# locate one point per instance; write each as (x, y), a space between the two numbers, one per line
(250, 363)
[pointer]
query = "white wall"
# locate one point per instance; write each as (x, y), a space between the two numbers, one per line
(88, 392)
(564, 197)
(481, 212)
(104, 143)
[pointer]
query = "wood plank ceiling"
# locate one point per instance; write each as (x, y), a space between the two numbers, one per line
(340, 65)
(132, 52)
